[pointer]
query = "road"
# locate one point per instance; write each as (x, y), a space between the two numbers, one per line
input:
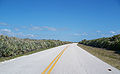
(65, 59)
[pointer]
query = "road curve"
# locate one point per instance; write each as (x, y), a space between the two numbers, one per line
(65, 59)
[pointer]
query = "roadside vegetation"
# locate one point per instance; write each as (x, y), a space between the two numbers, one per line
(11, 47)
(110, 43)
(107, 49)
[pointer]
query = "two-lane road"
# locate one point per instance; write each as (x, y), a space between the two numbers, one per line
(65, 59)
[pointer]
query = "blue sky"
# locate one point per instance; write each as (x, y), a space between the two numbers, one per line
(67, 20)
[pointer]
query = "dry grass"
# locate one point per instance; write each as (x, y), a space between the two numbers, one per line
(108, 56)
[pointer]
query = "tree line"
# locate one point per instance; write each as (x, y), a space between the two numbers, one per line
(112, 43)
(12, 46)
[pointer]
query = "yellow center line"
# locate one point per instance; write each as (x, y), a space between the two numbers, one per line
(55, 62)
(57, 57)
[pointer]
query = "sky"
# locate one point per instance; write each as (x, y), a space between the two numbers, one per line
(66, 20)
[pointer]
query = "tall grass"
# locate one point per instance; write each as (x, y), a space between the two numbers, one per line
(111, 43)
(12, 46)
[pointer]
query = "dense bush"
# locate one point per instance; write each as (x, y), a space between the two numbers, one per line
(112, 43)
(11, 46)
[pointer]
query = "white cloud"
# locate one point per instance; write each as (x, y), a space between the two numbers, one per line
(30, 24)
(24, 27)
(50, 28)
(30, 35)
(36, 28)
(112, 32)
(76, 34)
(3, 24)
(20, 34)
(16, 29)
(5, 30)
(43, 28)
(98, 31)
(83, 34)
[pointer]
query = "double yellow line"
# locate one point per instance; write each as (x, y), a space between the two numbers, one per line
(54, 62)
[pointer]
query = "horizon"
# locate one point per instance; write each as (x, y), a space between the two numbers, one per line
(65, 20)
(54, 39)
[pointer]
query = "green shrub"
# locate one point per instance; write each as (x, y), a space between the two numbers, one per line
(12, 46)
(112, 43)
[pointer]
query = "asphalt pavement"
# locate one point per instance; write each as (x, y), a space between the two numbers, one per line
(65, 59)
